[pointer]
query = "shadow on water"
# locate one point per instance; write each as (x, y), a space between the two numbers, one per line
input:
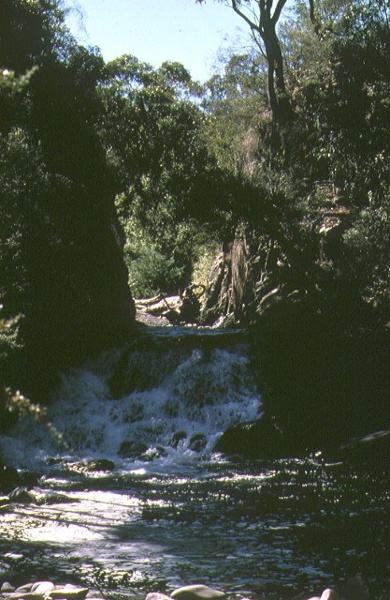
(260, 529)
(265, 528)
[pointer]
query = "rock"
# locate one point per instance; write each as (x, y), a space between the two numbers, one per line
(24, 596)
(355, 589)
(177, 437)
(24, 588)
(156, 596)
(198, 442)
(374, 447)
(100, 464)
(95, 594)
(330, 595)
(67, 593)
(132, 449)
(42, 587)
(7, 588)
(153, 453)
(29, 479)
(9, 479)
(54, 498)
(21, 496)
(254, 439)
(197, 592)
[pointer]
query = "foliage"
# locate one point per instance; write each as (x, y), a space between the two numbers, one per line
(235, 101)
(189, 167)
(151, 131)
(60, 254)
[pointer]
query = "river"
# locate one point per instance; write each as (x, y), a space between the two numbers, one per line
(131, 498)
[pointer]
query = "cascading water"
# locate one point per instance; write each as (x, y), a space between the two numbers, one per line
(178, 393)
(131, 497)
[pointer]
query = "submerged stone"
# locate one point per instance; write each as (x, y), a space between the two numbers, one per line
(100, 464)
(198, 442)
(132, 448)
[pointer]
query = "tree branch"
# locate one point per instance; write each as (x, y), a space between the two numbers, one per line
(278, 10)
(243, 16)
(313, 17)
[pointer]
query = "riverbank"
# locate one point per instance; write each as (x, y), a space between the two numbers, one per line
(355, 589)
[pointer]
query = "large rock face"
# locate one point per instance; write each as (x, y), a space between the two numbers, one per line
(325, 366)
(76, 301)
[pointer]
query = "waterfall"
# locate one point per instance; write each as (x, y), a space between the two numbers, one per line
(169, 395)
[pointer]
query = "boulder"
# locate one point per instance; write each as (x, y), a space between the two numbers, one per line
(132, 448)
(67, 592)
(355, 589)
(99, 464)
(198, 442)
(9, 479)
(330, 595)
(21, 496)
(156, 596)
(42, 587)
(374, 447)
(197, 592)
(254, 439)
(7, 588)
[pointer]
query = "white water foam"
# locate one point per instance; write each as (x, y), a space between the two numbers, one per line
(203, 394)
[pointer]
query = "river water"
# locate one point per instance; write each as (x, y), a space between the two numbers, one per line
(131, 497)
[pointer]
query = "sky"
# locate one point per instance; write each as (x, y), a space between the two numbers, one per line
(158, 30)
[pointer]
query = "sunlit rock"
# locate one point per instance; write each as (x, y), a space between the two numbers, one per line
(196, 592)
(42, 587)
(7, 588)
(156, 596)
(24, 593)
(67, 593)
(24, 588)
(100, 464)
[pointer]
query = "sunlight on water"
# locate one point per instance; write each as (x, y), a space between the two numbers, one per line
(132, 499)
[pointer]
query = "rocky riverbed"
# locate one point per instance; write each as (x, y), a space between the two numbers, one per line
(48, 590)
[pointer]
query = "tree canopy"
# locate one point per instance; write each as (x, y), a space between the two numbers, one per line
(286, 147)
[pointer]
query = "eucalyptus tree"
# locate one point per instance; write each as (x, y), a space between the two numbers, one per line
(262, 18)
(150, 128)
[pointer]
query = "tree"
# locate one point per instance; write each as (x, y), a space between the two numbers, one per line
(60, 254)
(262, 17)
(151, 131)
